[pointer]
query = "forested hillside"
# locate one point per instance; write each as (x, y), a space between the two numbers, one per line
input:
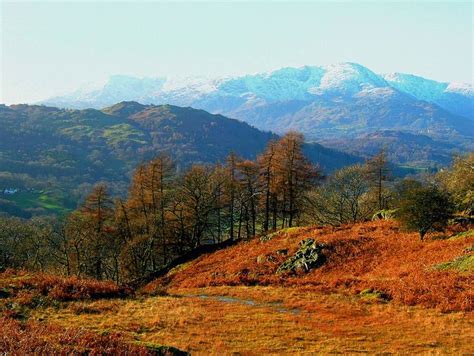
(403, 148)
(50, 157)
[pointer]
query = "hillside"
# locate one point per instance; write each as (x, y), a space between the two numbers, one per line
(378, 290)
(402, 148)
(53, 156)
(373, 256)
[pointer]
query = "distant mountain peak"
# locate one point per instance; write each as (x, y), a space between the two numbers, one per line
(350, 78)
(124, 108)
(457, 98)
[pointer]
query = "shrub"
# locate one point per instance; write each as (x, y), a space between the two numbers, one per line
(29, 287)
(424, 209)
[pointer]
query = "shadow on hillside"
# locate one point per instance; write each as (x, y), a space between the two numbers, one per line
(189, 256)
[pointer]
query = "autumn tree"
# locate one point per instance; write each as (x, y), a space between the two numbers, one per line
(342, 199)
(266, 164)
(294, 175)
(248, 179)
(91, 234)
(198, 193)
(159, 172)
(231, 165)
(222, 181)
(142, 219)
(377, 170)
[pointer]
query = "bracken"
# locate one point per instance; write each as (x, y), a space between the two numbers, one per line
(373, 255)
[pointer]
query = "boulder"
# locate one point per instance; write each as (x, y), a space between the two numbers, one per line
(308, 256)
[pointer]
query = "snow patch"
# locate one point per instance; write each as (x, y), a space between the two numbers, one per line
(461, 88)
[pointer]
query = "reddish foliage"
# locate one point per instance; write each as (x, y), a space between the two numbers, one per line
(372, 255)
(24, 287)
(37, 338)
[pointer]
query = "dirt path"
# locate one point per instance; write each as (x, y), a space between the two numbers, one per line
(277, 306)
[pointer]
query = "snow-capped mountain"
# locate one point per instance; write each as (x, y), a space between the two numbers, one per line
(454, 97)
(343, 99)
(281, 85)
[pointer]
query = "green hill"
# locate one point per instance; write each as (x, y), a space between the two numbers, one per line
(53, 156)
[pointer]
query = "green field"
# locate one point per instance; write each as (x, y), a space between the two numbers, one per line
(52, 202)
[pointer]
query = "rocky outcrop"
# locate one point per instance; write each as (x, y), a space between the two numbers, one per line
(308, 256)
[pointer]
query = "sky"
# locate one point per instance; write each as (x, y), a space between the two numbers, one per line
(52, 48)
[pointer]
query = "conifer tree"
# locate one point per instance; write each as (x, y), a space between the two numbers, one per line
(294, 175)
(377, 174)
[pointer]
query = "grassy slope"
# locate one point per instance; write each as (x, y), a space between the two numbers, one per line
(256, 321)
(50, 201)
(374, 294)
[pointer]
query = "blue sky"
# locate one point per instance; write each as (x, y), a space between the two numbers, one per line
(49, 48)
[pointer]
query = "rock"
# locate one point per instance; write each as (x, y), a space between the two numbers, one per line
(384, 214)
(308, 256)
(271, 258)
(161, 350)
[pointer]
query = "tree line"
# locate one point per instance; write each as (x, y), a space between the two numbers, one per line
(166, 215)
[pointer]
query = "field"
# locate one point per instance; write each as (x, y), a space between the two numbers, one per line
(49, 202)
(379, 290)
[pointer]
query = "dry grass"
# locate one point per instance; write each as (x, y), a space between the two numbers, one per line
(374, 255)
(36, 338)
(283, 320)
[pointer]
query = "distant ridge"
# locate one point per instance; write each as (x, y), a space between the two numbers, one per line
(286, 84)
(342, 100)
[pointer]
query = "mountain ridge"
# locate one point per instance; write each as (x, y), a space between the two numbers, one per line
(296, 82)
(324, 102)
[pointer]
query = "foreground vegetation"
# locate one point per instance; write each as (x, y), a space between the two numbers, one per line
(379, 290)
(24, 294)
